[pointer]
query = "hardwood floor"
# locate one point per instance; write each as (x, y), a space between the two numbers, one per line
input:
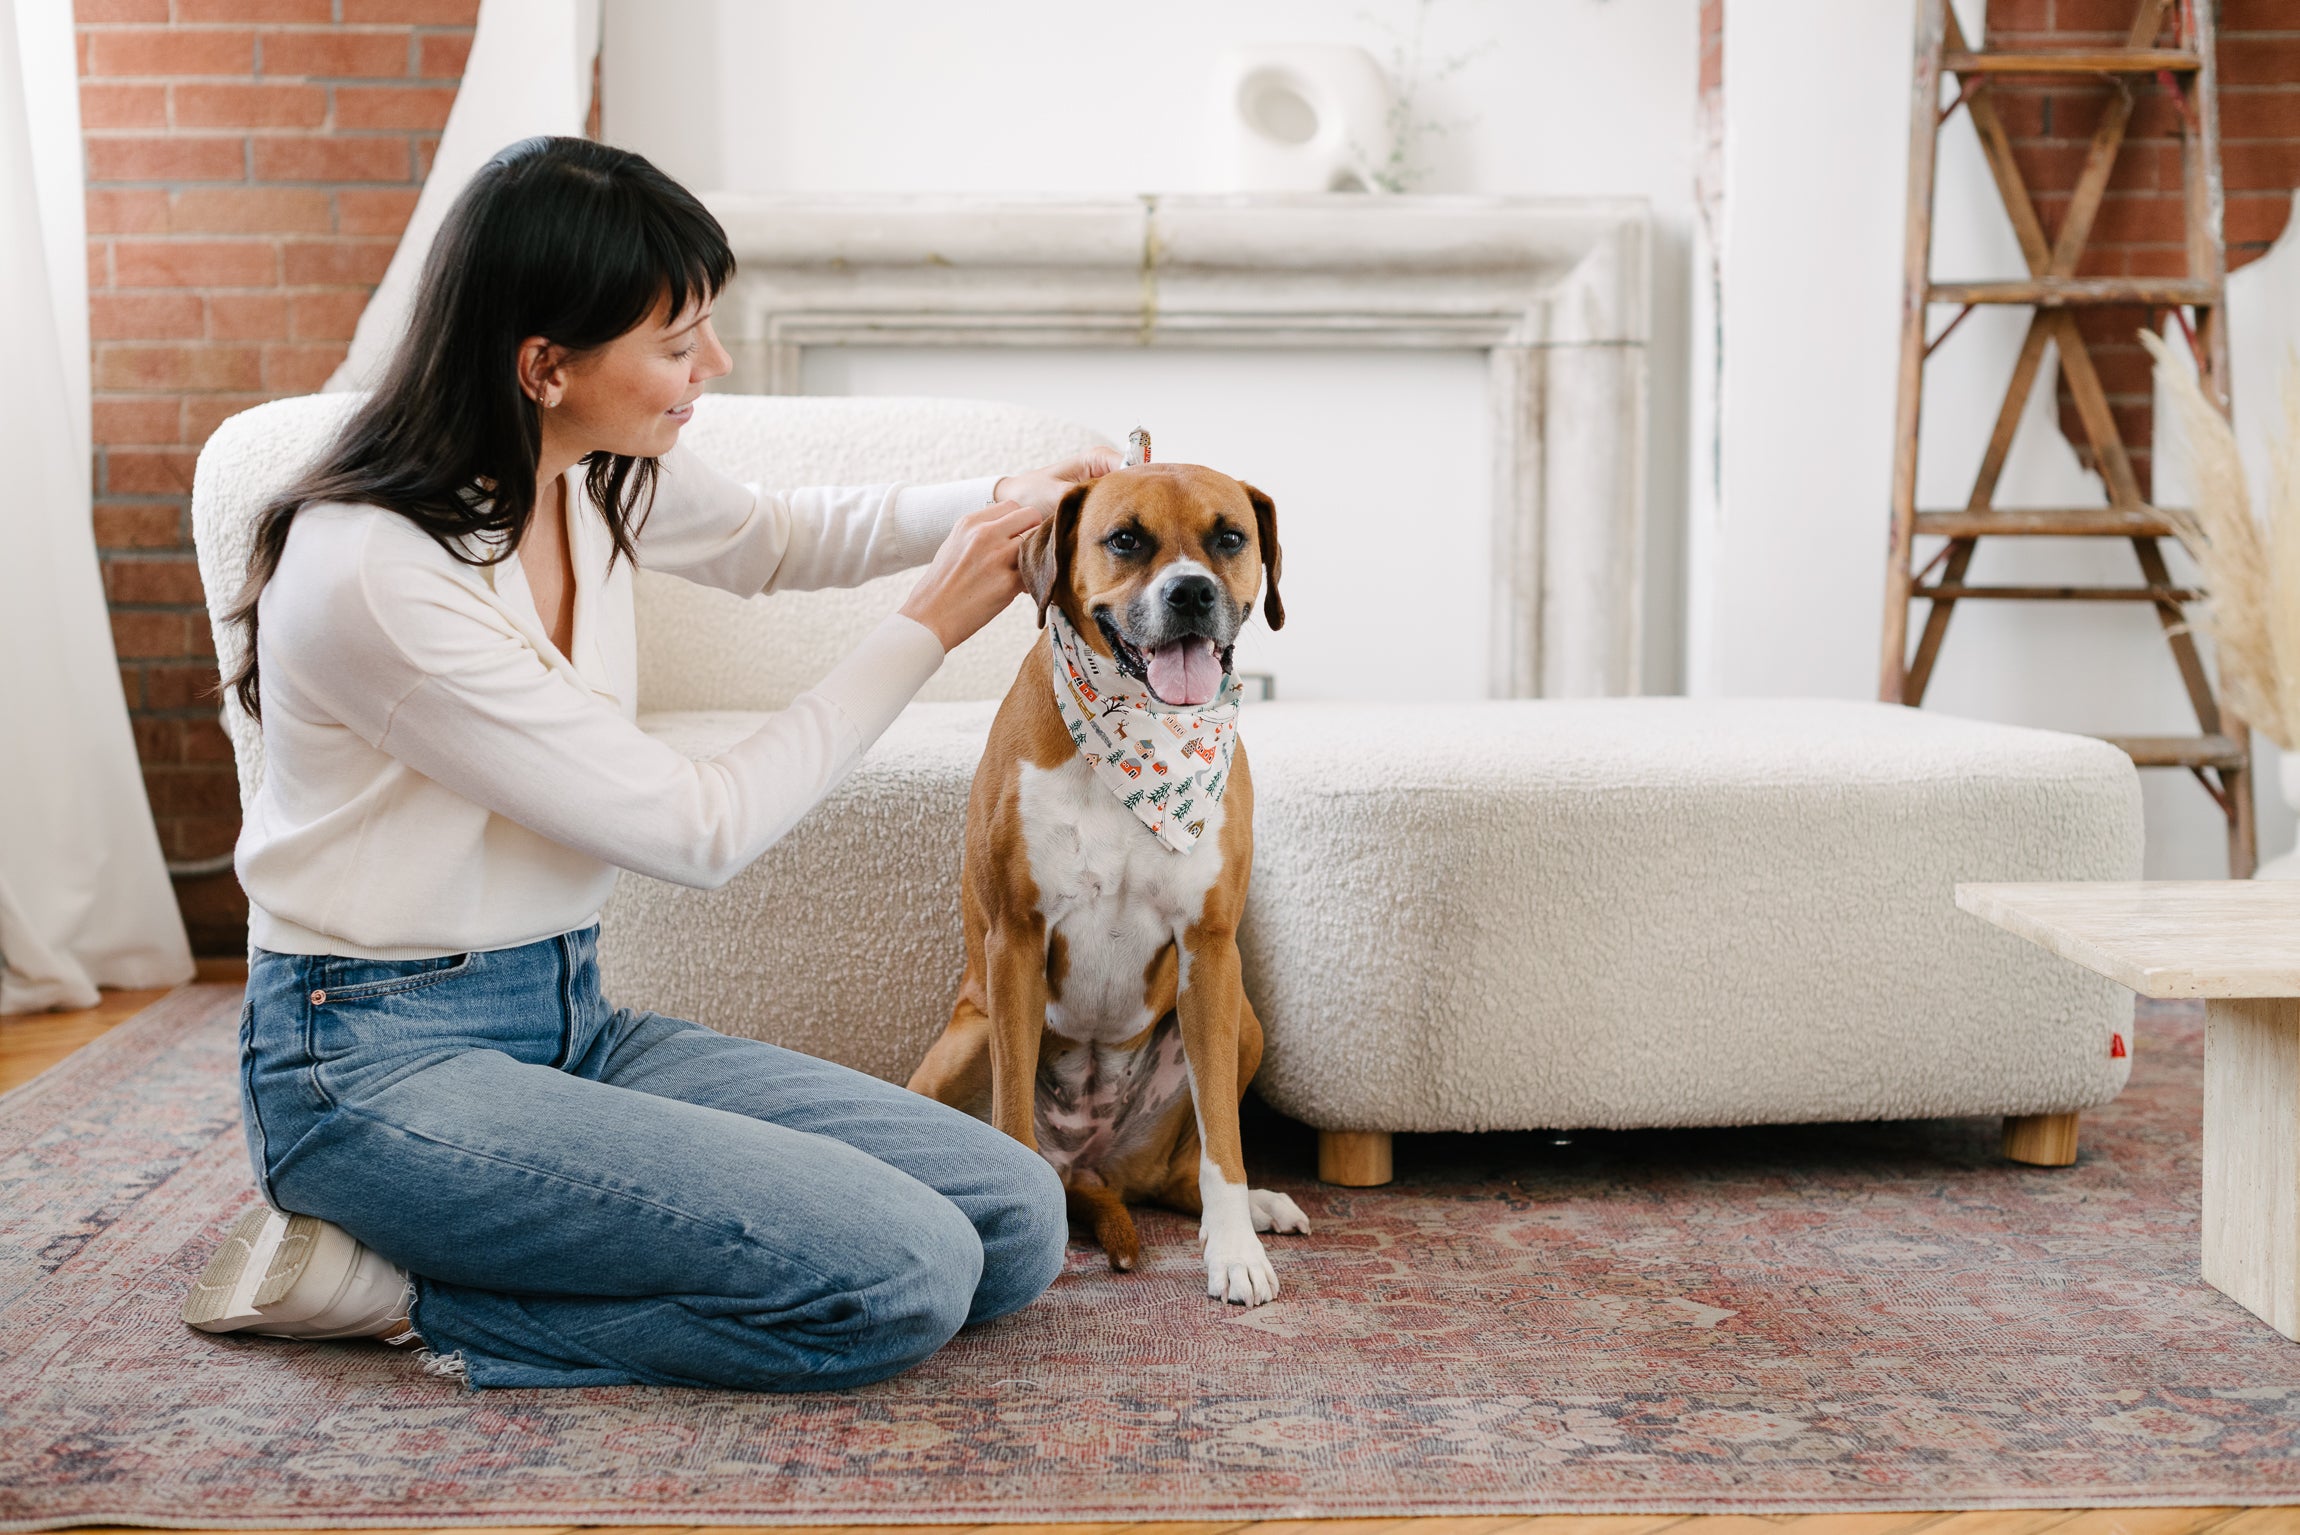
(31, 1044)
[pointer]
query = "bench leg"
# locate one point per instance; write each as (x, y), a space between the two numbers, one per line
(1358, 1159)
(2041, 1140)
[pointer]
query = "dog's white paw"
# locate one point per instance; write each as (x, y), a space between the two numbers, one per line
(1273, 1211)
(1236, 1267)
(1238, 1270)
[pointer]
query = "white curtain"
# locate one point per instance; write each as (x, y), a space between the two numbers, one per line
(529, 73)
(84, 896)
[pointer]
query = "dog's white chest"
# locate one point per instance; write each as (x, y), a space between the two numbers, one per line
(1115, 894)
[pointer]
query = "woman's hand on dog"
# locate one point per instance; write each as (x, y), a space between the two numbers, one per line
(975, 573)
(1044, 488)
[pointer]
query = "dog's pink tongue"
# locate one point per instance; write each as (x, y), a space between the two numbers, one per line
(1185, 672)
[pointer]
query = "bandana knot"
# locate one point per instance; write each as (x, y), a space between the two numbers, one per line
(1165, 763)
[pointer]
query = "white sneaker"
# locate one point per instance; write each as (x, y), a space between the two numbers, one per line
(297, 1276)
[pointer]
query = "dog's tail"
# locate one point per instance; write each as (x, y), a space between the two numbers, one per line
(1099, 1208)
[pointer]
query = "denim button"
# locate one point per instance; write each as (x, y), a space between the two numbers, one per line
(318, 998)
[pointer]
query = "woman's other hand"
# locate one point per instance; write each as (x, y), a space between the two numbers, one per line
(974, 574)
(1042, 489)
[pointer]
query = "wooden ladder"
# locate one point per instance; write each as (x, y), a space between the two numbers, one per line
(2220, 753)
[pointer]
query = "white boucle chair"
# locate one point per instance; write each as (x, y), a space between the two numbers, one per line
(1536, 915)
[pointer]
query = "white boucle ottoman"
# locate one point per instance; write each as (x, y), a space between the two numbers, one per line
(1667, 911)
(1614, 913)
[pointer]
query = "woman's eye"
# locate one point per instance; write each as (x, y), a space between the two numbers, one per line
(686, 351)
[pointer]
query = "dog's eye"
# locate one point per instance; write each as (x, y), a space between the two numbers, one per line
(1124, 541)
(1230, 541)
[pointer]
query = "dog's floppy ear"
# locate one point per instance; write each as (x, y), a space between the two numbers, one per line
(1266, 533)
(1045, 557)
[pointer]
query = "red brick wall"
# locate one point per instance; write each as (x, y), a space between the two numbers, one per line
(2139, 230)
(250, 166)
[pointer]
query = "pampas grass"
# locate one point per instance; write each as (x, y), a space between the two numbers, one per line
(2250, 569)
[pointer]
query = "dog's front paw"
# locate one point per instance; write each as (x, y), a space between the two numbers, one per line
(1273, 1211)
(1238, 1270)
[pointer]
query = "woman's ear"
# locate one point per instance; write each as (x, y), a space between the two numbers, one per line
(1046, 553)
(1266, 534)
(542, 376)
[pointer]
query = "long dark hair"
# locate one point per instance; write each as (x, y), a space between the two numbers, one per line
(555, 237)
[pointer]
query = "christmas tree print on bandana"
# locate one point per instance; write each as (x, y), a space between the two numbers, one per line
(1166, 764)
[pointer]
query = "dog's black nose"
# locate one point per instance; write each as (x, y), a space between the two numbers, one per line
(1191, 596)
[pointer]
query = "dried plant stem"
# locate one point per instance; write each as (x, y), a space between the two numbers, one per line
(2284, 559)
(2250, 574)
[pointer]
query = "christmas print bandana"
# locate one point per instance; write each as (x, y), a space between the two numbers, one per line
(1166, 764)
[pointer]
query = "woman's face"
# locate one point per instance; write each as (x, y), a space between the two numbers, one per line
(632, 395)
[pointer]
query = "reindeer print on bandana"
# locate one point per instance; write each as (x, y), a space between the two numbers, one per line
(1168, 765)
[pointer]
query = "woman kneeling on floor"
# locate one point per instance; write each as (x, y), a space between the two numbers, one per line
(484, 1158)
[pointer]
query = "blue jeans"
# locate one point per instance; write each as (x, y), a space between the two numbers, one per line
(591, 1196)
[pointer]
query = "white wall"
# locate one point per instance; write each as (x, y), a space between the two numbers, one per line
(1787, 575)
(1561, 98)
(1772, 584)
(1403, 616)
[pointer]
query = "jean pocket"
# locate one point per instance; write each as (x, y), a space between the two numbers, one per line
(364, 1005)
(356, 980)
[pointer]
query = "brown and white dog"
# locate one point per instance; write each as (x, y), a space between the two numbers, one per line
(1101, 1020)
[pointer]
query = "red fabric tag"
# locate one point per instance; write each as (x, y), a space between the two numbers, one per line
(2116, 1047)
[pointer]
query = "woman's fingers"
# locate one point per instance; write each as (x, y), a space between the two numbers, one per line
(1016, 520)
(1001, 512)
(1000, 524)
(1044, 488)
(1012, 530)
(975, 574)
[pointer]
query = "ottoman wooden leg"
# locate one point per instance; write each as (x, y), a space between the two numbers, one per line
(2042, 1140)
(2252, 1155)
(1358, 1159)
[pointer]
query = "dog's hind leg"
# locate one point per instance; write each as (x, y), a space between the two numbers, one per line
(1273, 1211)
(1180, 1191)
(1098, 1207)
(1249, 1045)
(956, 1070)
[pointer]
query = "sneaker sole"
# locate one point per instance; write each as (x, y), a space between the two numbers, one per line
(211, 1305)
(294, 1252)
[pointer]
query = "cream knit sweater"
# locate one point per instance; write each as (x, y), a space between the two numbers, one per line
(439, 778)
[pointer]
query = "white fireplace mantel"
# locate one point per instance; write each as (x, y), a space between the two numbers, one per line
(1554, 291)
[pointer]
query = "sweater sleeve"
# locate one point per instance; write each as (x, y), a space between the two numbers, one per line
(746, 538)
(416, 663)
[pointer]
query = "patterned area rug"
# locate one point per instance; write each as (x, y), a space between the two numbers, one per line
(1803, 1319)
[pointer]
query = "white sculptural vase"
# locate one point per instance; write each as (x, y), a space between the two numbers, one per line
(1301, 117)
(2285, 865)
